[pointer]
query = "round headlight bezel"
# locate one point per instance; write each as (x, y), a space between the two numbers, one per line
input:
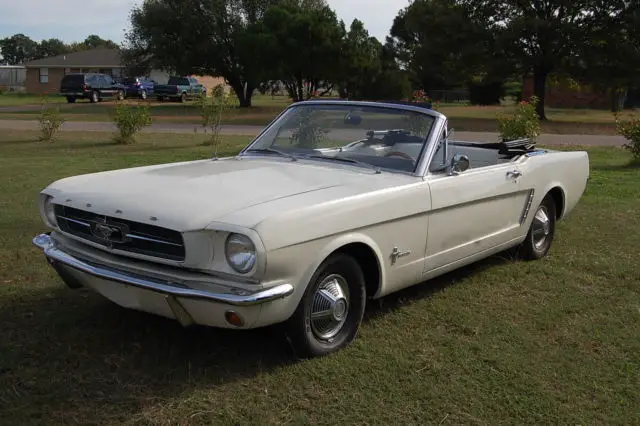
(233, 243)
(48, 208)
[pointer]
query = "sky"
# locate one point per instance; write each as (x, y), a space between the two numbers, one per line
(44, 19)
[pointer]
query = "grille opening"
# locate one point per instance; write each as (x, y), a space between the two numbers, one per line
(140, 238)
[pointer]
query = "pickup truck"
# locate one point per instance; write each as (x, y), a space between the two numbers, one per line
(180, 89)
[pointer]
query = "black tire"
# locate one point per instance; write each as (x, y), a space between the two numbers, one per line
(93, 98)
(120, 95)
(183, 98)
(541, 232)
(143, 95)
(317, 338)
(71, 99)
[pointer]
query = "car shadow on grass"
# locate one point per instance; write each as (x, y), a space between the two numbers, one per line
(65, 351)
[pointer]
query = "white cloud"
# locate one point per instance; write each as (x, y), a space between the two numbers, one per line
(41, 19)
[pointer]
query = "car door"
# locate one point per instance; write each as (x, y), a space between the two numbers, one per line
(473, 211)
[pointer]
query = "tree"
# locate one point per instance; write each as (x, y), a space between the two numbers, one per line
(439, 44)
(18, 49)
(304, 43)
(610, 58)
(213, 37)
(52, 47)
(360, 61)
(540, 36)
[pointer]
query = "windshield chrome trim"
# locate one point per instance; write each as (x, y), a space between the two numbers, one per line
(426, 152)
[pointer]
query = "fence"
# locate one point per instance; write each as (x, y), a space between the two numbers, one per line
(13, 78)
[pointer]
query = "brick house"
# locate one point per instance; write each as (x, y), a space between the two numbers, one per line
(44, 75)
(563, 92)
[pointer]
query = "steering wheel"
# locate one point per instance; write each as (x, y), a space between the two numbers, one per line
(399, 154)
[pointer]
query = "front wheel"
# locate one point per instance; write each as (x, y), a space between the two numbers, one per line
(330, 312)
(541, 232)
(120, 95)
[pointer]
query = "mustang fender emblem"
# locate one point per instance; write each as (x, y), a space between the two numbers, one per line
(396, 253)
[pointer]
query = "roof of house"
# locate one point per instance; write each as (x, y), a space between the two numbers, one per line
(94, 58)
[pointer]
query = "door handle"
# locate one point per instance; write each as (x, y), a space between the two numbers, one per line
(514, 173)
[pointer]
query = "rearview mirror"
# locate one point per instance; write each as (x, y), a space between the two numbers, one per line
(459, 163)
(352, 119)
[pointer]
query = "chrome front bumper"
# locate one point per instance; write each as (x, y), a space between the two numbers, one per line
(242, 298)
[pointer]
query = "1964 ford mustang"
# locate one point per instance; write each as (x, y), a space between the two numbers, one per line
(333, 203)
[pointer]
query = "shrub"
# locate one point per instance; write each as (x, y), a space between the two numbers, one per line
(522, 123)
(630, 129)
(130, 120)
(212, 110)
(49, 120)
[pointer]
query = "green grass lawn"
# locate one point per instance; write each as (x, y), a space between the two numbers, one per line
(555, 341)
(265, 108)
(19, 99)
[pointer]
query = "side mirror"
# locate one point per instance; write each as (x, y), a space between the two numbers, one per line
(459, 163)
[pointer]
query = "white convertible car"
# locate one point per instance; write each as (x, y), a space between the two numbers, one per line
(333, 203)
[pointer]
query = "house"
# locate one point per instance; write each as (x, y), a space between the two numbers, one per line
(44, 75)
(12, 78)
(563, 92)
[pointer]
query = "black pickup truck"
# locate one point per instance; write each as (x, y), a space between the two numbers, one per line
(180, 89)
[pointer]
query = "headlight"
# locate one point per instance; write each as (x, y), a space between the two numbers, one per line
(240, 252)
(49, 211)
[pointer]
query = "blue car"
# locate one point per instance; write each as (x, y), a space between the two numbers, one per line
(141, 87)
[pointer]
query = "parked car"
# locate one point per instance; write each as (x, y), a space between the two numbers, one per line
(180, 89)
(334, 203)
(93, 86)
(140, 87)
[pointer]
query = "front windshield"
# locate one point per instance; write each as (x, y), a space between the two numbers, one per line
(369, 136)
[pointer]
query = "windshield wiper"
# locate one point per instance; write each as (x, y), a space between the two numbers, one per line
(346, 160)
(274, 151)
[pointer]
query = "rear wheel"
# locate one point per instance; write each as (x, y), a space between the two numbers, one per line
(541, 231)
(93, 98)
(120, 95)
(330, 312)
(183, 98)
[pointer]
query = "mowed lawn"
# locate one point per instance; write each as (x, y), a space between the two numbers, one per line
(265, 108)
(503, 341)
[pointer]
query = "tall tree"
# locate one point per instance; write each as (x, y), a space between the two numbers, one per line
(18, 49)
(202, 36)
(540, 36)
(439, 43)
(610, 58)
(303, 41)
(52, 47)
(360, 61)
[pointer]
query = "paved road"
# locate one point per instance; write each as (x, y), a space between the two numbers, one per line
(86, 126)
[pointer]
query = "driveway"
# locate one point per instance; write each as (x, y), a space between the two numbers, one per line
(86, 126)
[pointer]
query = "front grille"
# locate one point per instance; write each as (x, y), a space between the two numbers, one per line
(135, 237)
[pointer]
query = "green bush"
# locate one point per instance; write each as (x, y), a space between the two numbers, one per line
(212, 111)
(130, 120)
(522, 123)
(630, 129)
(49, 120)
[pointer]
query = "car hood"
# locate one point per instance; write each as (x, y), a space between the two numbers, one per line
(190, 195)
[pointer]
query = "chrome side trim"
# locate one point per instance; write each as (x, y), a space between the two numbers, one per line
(527, 206)
(55, 254)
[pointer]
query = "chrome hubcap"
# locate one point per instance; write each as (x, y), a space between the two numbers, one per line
(541, 227)
(330, 307)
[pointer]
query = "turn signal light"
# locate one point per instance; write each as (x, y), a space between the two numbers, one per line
(233, 318)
